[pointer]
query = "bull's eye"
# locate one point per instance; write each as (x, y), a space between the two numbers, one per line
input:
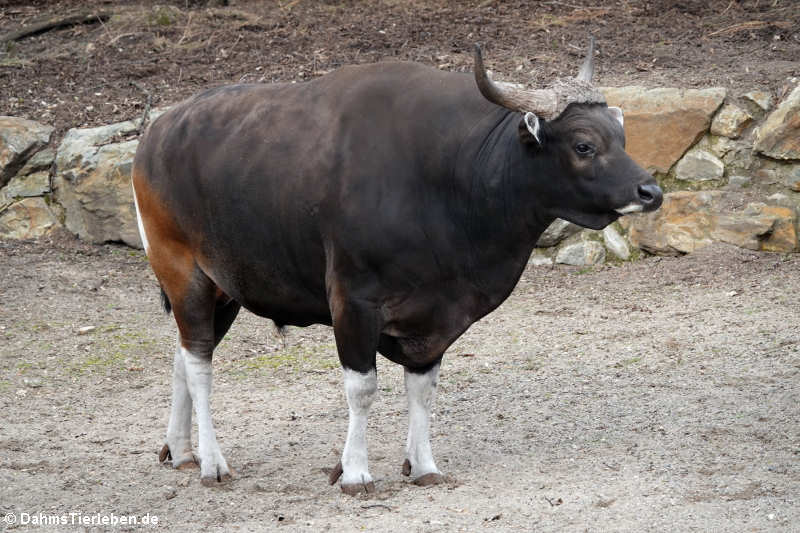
(585, 149)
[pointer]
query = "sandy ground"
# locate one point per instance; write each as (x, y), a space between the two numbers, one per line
(661, 395)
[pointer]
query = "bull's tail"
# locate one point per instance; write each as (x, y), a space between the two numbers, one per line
(165, 303)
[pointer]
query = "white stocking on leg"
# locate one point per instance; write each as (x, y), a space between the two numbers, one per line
(361, 390)
(421, 391)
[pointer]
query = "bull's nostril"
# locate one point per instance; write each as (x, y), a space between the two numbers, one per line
(650, 195)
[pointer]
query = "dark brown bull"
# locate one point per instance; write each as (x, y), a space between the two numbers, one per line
(396, 202)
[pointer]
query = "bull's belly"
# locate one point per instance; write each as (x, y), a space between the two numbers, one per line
(282, 303)
(287, 298)
(288, 313)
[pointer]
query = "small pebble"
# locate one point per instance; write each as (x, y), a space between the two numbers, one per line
(33, 383)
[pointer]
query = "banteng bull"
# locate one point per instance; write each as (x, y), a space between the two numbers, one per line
(395, 202)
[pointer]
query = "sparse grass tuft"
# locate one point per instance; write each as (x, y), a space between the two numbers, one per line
(24, 366)
(627, 362)
(162, 16)
(99, 363)
(302, 357)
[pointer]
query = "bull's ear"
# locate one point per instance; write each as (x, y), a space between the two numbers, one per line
(616, 112)
(530, 130)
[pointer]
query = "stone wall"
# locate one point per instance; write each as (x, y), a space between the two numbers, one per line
(730, 167)
(729, 164)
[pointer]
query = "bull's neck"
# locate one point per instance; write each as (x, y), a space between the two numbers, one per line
(503, 219)
(500, 190)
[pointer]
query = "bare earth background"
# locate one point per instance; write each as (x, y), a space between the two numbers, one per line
(101, 73)
(661, 395)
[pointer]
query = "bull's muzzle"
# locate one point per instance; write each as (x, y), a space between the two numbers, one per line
(650, 196)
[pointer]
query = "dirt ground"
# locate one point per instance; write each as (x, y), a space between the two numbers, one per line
(660, 395)
(167, 50)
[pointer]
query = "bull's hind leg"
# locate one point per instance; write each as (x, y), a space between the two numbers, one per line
(178, 446)
(421, 392)
(203, 315)
(213, 466)
(202, 323)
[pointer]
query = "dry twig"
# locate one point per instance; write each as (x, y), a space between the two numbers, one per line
(55, 23)
(750, 25)
(377, 505)
(186, 29)
(146, 114)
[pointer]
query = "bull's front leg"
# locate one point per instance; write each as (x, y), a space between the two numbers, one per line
(421, 392)
(353, 468)
(356, 328)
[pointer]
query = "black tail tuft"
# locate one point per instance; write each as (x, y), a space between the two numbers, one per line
(165, 302)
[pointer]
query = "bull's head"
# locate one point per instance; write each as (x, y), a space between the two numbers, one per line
(568, 127)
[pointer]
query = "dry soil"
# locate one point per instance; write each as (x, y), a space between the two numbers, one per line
(660, 395)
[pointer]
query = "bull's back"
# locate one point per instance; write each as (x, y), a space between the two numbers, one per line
(255, 181)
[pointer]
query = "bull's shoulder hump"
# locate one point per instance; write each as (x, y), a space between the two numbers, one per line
(231, 96)
(400, 70)
(242, 97)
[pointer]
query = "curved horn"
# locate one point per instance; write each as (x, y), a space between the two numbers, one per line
(587, 69)
(542, 102)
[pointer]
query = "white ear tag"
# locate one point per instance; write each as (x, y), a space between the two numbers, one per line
(617, 113)
(532, 122)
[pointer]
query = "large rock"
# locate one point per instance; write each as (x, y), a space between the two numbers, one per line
(19, 140)
(661, 124)
(742, 230)
(92, 182)
(582, 253)
(539, 258)
(679, 226)
(36, 184)
(783, 237)
(699, 165)
(557, 232)
(760, 98)
(779, 136)
(27, 219)
(731, 121)
(41, 161)
(689, 220)
(616, 243)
